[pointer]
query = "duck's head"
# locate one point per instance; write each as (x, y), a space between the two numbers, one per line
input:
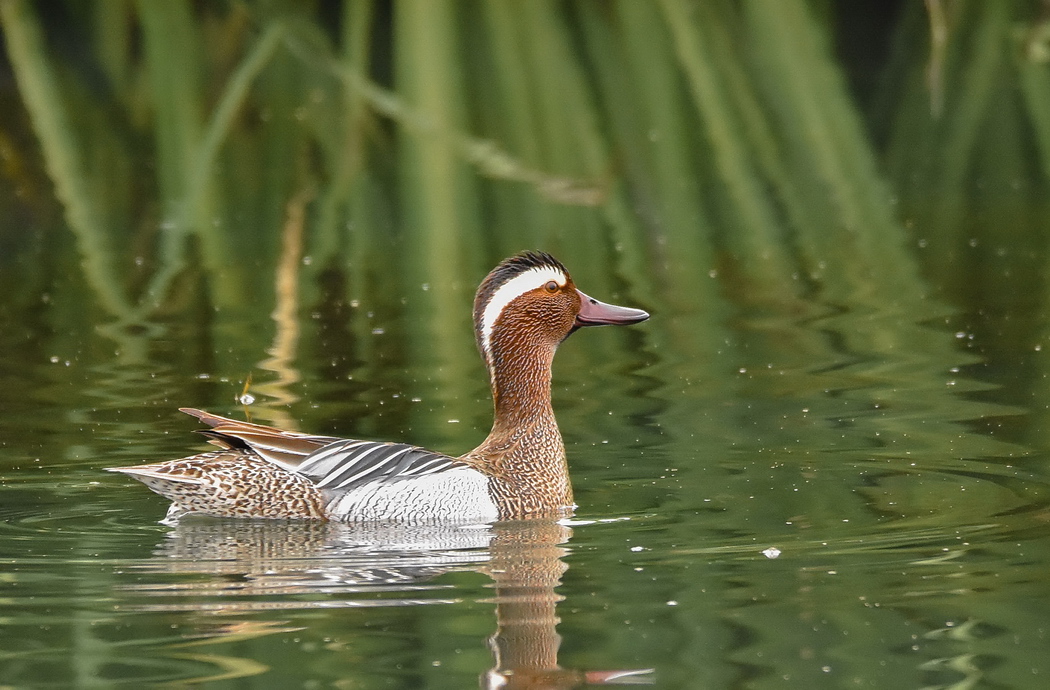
(530, 303)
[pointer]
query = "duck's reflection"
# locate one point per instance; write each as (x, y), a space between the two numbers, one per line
(526, 566)
(261, 561)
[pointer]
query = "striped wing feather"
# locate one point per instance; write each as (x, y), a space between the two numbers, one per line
(332, 463)
(348, 464)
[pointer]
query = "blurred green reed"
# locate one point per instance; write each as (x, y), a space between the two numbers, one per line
(702, 131)
(698, 158)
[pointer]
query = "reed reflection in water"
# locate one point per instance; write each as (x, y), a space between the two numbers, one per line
(260, 565)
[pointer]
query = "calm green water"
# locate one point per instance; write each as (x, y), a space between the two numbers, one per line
(904, 494)
(824, 461)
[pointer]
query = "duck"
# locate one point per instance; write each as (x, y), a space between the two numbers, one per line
(523, 309)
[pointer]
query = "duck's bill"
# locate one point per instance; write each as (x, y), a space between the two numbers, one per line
(595, 313)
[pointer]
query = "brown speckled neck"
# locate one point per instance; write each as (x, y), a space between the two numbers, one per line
(524, 453)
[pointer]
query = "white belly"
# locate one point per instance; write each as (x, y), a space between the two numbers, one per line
(459, 495)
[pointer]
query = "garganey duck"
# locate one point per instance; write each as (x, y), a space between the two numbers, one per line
(523, 309)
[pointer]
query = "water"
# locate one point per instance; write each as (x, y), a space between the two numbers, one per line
(809, 514)
(822, 463)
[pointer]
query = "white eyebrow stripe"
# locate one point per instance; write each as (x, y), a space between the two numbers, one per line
(510, 291)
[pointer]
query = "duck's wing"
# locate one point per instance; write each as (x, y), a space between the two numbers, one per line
(332, 463)
(348, 464)
(284, 448)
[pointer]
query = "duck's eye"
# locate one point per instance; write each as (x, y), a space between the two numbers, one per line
(551, 286)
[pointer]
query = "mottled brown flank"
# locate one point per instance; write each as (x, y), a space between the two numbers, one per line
(232, 483)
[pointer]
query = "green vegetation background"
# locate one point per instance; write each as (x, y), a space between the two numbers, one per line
(699, 159)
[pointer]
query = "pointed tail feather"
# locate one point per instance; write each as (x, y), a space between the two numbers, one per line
(215, 420)
(141, 472)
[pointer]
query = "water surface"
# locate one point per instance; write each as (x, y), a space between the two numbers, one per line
(805, 512)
